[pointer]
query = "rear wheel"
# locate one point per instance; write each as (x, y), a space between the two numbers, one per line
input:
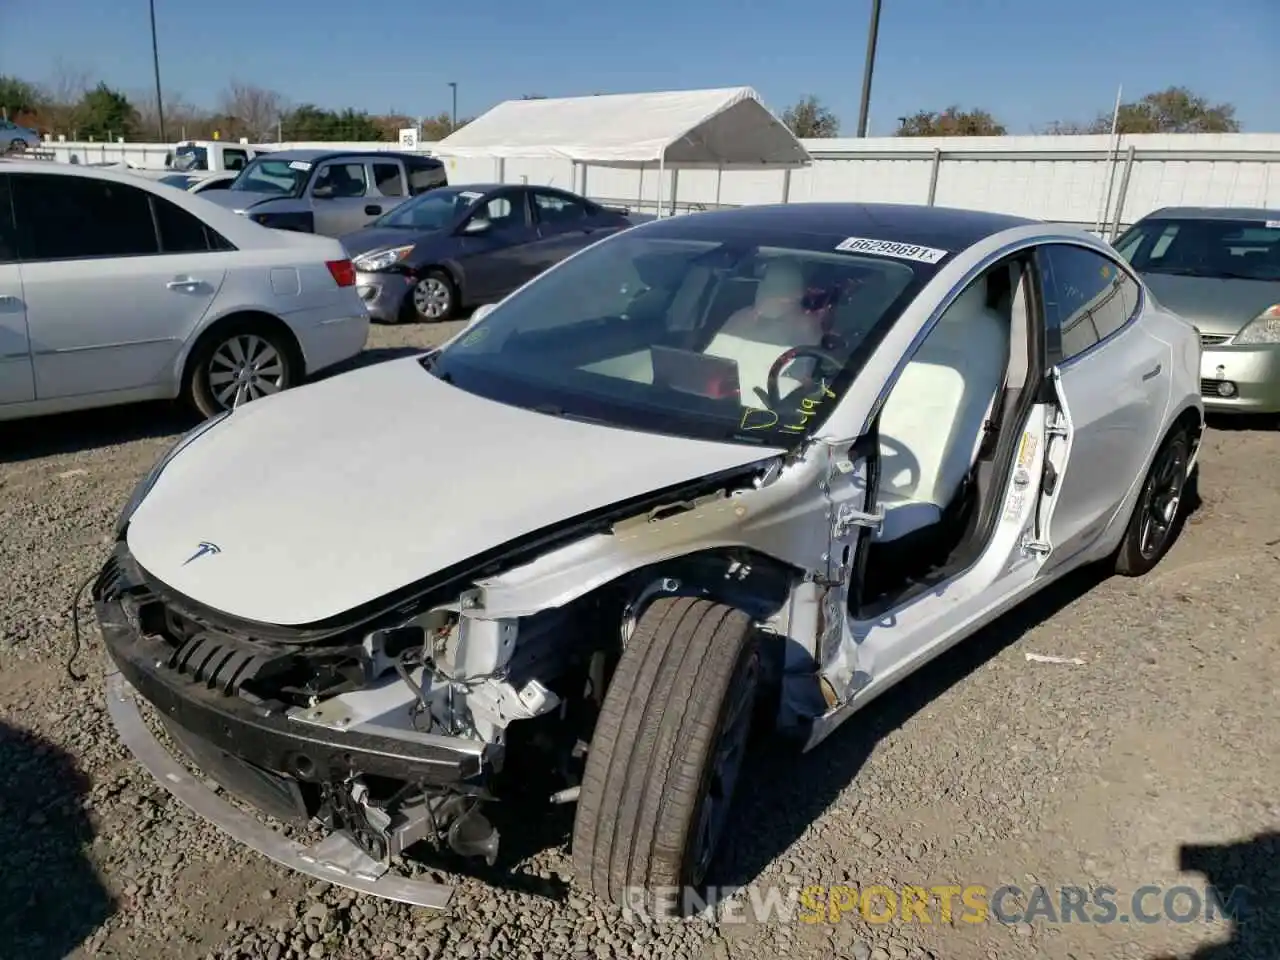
(666, 754)
(17, 146)
(237, 364)
(1158, 512)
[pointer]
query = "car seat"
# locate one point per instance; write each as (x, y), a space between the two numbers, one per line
(932, 424)
(755, 336)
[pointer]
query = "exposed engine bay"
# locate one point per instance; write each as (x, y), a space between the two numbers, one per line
(399, 734)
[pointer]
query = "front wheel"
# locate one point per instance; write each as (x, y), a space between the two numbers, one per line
(666, 754)
(236, 365)
(1158, 512)
(434, 297)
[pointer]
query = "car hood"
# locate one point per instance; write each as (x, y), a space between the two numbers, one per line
(1217, 307)
(239, 200)
(379, 238)
(330, 496)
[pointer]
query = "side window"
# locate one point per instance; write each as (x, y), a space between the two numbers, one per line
(1087, 297)
(388, 180)
(70, 217)
(234, 159)
(505, 211)
(340, 180)
(8, 240)
(181, 232)
(425, 176)
(555, 208)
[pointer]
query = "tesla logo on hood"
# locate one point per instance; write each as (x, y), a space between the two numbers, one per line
(205, 549)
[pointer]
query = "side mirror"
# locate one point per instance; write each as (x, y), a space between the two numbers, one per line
(477, 225)
(480, 313)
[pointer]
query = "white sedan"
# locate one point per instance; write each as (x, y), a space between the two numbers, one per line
(114, 289)
(745, 467)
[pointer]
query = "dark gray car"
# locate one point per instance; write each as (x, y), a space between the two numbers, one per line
(327, 191)
(467, 245)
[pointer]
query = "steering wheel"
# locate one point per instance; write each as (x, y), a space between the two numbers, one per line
(772, 398)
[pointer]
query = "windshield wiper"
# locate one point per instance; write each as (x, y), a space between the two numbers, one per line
(551, 410)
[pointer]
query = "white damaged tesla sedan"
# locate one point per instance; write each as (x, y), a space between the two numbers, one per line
(733, 471)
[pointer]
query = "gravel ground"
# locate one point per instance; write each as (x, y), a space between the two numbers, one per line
(985, 768)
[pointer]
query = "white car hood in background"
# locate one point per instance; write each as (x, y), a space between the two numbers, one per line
(332, 495)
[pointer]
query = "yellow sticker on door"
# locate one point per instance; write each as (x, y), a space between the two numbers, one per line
(1027, 451)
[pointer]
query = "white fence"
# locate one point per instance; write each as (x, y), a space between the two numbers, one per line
(1086, 180)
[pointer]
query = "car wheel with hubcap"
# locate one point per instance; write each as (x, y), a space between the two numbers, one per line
(17, 146)
(1157, 514)
(434, 297)
(237, 365)
(667, 752)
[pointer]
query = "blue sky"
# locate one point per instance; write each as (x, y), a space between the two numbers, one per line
(1028, 61)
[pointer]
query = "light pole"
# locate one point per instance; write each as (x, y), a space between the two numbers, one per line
(155, 59)
(453, 119)
(870, 66)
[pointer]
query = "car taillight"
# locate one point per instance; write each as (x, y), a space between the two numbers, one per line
(344, 272)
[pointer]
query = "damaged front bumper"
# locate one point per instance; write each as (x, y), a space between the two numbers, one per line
(377, 789)
(336, 859)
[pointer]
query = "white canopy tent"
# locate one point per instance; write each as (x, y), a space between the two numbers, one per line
(685, 129)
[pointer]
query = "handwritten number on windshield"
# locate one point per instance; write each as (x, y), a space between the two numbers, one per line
(754, 418)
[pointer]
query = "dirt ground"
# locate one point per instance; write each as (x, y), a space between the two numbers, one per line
(1153, 762)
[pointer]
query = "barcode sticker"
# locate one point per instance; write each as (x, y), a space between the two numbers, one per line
(887, 248)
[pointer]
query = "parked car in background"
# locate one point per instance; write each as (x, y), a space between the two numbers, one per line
(736, 469)
(200, 182)
(115, 289)
(15, 139)
(194, 156)
(328, 191)
(460, 246)
(1219, 268)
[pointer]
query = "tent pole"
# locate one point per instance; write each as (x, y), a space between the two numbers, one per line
(675, 189)
(719, 177)
(640, 189)
(662, 179)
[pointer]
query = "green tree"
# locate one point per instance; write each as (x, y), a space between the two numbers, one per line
(810, 119)
(1173, 110)
(17, 97)
(310, 122)
(951, 122)
(105, 114)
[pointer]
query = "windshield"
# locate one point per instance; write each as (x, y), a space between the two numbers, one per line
(286, 178)
(428, 211)
(191, 158)
(687, 330)
(1226, 249)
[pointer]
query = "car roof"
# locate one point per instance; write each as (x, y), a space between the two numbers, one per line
(317, 154)
(1213, 213)
(946, 228)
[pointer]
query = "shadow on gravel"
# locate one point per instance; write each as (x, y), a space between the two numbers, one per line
(90, 429)
(1246, 876)
(1234, 423)
(51, 897)
(784, 792)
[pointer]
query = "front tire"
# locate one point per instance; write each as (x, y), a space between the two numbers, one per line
(434, 298)
(666, 754)
(1157, 516)
(237, 364)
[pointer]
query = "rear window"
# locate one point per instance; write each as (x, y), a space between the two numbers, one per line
(1227, 249)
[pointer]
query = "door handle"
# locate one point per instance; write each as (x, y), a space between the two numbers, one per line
(183, 283)
(1153, 372)
(372, 209)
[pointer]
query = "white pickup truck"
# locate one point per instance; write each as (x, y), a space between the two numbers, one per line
(192, 156)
